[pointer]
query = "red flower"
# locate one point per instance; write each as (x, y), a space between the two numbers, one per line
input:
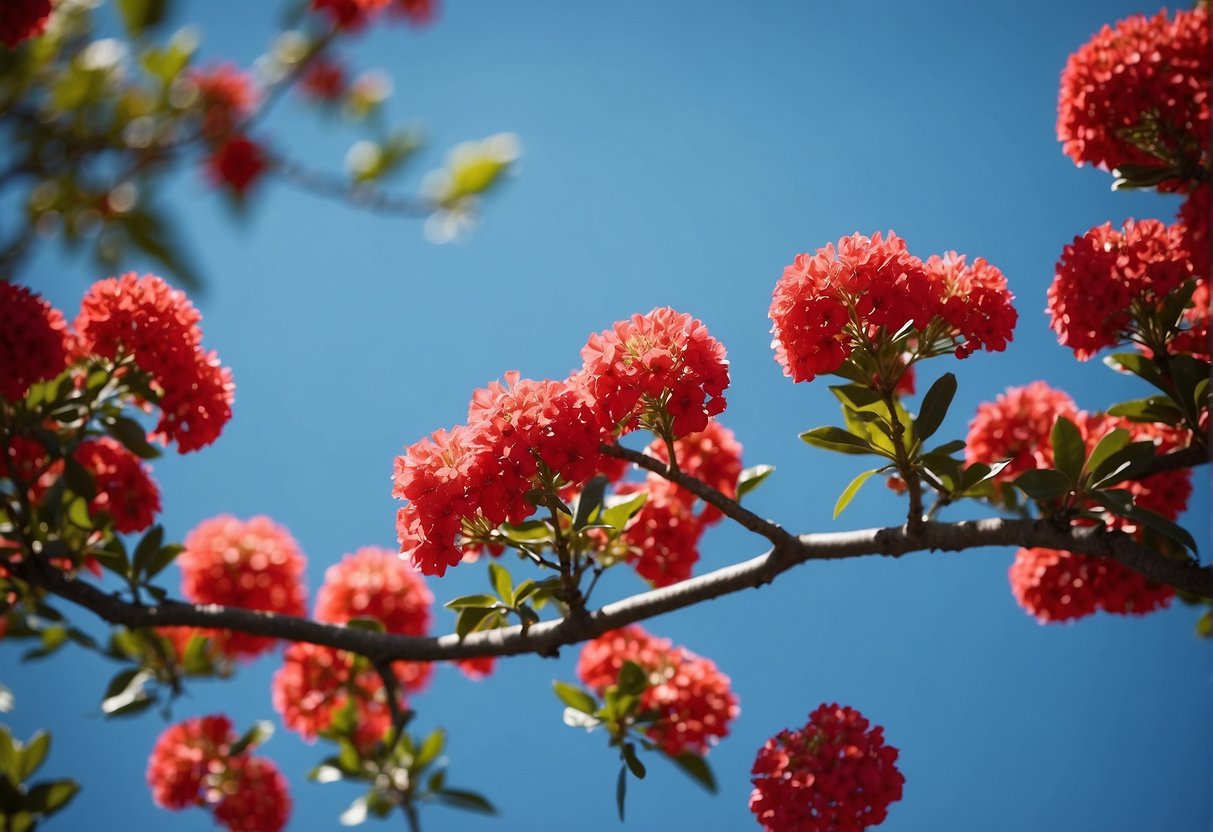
(375, 583)
(1194, 219)
(32, 341)
(867, 289)
(125, 489)
(146, 318)
(833, 774)
(253, 564)
(1108, 281)
(661, 364)
(1057, 586)
(689, 695)
(1016, 427)
(418, 12)
(253, 796)
(519, 435)
(184, 756)
(323, 80)
(478, 668)
(238, 163)
(228, 97)
(1138, 66)
(23, 19)
(663, 537)
(316, 683)
(350, 15)
(713, 455)
(976, 303)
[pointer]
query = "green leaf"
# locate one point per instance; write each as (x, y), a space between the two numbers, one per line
(47, 798)
(138, 15)
(131, 434)
(78, 478)
(1204, 624)
(430, 748)
(469, 619)
(52, 639)
(160, 561)
(935, 406)
(1116, 500)
(1125, 463)
(575, 697)
(502, 583)
(856, 397)
(483, 601)
(589, 501)
(531, 531)
(836, 439)
(366, 624)
(1140, 366)
(697, 769)
(752, 477)
(126, 693)
(632, 679)
(621, 790)
(633, 762)
(149, 547)
(848, 493)
(617, 511)
(949, 448)
(1043, 484)
(463, 799)
(1173, 307)
(77, 513)
(32, 755)
(1069, 449)
(253, 737)
(1163, 526)
(1108, 445)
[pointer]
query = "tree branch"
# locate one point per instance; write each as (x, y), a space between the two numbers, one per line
(547, 636)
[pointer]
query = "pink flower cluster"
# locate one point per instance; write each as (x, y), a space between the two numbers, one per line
(1060, 586)
(352, 15)
(191, 764)
(833, 775)
(691, 698)
(524, 437)
(146, 318)
(828, 304)
(254, 564)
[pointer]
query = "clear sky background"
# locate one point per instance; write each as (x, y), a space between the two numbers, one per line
(674, 154)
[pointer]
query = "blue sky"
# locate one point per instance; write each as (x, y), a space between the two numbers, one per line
(673, 154)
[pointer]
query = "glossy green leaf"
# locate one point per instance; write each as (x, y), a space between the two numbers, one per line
(697, 769)
(48, 798)
(463, 799)
(589, 501)
(501, 582)
(1123, 464)
(848, 493)
(470, 618)
(575, 697)
(1138, 365)
(366, 624)
(752, 477)
(621, 790)
(836, 439)
(1069, 449)
(1108, 445)
(148, 548)
(1043, 484)
(1163, 526)
(483, 600)
(632, 679)
(430, 748)
(131, 434)
(617, 511)
(31, 756)
(935, 406)
(633, 762)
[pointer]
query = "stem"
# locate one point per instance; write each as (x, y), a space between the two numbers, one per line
(914, 518)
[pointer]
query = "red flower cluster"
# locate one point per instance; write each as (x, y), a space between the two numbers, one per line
(691, 697)
(352, 15)
(1057, 586)
(1016, 427)
(656, 365)
(1060, 586)
(315, 683)
(32, 340)
(1139, 66)
(323, 80)
(825, 303)
(832, 775)
(124, 486)
(23, 19)
(1194, 219)
(663, 537)
(238, 163)
(254, 564)
(712, 455)
(517, 434)
(191, 764)
(145, 317)
(1109, 280)
(228, 97)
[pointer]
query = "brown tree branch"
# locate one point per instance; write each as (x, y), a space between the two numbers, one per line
(547, 636)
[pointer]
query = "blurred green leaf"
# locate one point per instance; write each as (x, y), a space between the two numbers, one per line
(751, 478)
(575, 697)
(696, 767)
(848, 493)
(1069, 449)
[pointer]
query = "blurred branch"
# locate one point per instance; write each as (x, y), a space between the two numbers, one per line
(363, 195)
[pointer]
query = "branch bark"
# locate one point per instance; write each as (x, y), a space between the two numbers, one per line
(546, 637)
